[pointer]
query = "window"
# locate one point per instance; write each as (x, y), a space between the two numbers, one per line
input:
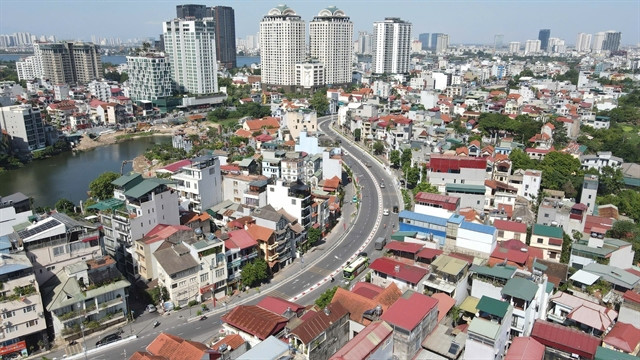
(8, 314)
(10, 329)
(293, 201)
(32, 323)
(204, 277)
(29, 309)
(539, 240)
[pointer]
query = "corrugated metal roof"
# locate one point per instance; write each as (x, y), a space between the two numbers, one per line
(565, 339)
(492, 306)
(485, 229)
(406, 214)
(520, 288)
(363, 344)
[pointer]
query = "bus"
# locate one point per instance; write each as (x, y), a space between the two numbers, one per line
(355, 267)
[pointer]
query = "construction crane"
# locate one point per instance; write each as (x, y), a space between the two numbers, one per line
(122, 167)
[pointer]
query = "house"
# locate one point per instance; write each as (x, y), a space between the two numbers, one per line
(145, 247)
(549, 239)
(449, 275)
(471, 195)
(619, 279)
(212, 274)
(630, 309)
(374, 342)
(322, 333)
(436, 204)
(403, 249)
(443, 343)
(410, 328)
(476, 239)
(623, 337)
(564, 341)
(288, 234)
(445, 169)
(240, 248)
(170, 347)
(231, 346)
(199, 183)
(281, 306)
(592, 318)
(271, 348)
(529, 300)
(601, 250)
(600, 160)
(14, 209)
(22, 308)
(488, 332)
(294, 198)
(435, 227)
(178, 272)
(386, 271)
(608, 354)
(490, 280)
(86, 291)
(508, 230)
(253, 323)
(525, 348)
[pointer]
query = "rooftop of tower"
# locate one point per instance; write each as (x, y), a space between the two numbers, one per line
(331, 11)
(281, 9)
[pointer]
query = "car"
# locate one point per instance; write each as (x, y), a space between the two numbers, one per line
(385, 212)
(368, 164)
(382, 185)
(108, 339)
(151, 308)
(362, 253)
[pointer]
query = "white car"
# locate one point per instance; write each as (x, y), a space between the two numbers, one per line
(385, 212)
(151, 308)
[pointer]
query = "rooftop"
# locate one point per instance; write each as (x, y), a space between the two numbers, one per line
(520, 288)
(319, 322)
(564, 338)
(363, 344)
(420, 305)
(492, 306)
(409, 273)
(255, 320)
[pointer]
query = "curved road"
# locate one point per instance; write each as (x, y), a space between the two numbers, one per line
(305, 279)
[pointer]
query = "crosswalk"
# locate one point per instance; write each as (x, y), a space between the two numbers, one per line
(73, 349)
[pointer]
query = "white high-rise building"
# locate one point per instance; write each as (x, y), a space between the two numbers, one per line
(532, 47)
(598, 41)
(442, 43)
(364, 43)
(330, 35)
(24, 125)
(26, 68)
(149, 77)
(556, 46)
(391, 46)
(514, 47)
(190, 46)
(282, 46)
(583, 42)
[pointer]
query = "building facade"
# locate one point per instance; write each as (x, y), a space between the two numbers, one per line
(24, 125)
(199, 184)
(68, 62)
(330, 34)
(149, 77)
(544, 36)
(190, 46)
(282, 46)
(391, 46)
(225, 20)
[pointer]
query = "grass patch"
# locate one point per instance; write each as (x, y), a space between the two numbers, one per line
(231, 122)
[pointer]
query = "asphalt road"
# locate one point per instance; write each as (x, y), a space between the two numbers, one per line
(313, 270)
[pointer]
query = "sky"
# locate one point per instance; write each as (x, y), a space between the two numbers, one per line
(466, 21)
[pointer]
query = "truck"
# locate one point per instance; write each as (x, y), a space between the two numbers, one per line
(380, 243)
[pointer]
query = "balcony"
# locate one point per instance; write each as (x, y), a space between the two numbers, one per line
(556, 318)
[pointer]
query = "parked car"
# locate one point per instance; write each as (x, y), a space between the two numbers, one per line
(151, 308)
(385, 212)
(108, 339)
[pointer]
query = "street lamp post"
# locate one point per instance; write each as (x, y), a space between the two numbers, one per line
(84, 342)
(131, 323)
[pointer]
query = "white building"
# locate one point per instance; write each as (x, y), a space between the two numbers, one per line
(27, 68)
(331, 167)
(199, 184)
(149, 77)
(330, 35)
(391, 46)
(310, 75)
(600, 160)
(531, 180)
(532, 47)
(190, 46)
(583, 42)
(478, 239)
(442, 43)
(282, 46)
(23, 322)
(14, 209)
(294, 198)
(100, 89)
(589, 192)
(178, 273)
(514, 47)
(61, 92)
(24, 125)
(598, 41)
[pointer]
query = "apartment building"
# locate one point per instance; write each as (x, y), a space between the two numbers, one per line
(391, 46)
(68, 62)
(23, 321)
(199, 183)
(282, 46)
(149, 77)
(293, 197)
(24, 125)
(330, 35)
(190, 48)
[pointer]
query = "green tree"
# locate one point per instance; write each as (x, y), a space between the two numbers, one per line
(424, 186)
(313, 235)
(413, 176)
(566, 248)
(319, 101)
(325, 298)
(218, 114)
(610, 181)
(65, 206)
(558, 169)
(356, 134)
(627, 201)
(394, 158)
(254, 273)
(378, 147)
(520, 160)
(101, 187)
(158, 294)
(405, 158)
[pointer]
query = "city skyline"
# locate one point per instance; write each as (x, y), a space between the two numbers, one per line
(469, 22)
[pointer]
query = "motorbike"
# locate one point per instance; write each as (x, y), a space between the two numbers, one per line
(203, 317)
(155, 324)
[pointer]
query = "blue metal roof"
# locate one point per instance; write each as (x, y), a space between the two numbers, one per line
(406, 214)
(457, 219)
(487, 229)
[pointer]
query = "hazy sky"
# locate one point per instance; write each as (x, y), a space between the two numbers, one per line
(466, 21)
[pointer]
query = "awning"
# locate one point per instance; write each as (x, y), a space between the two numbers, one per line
(470, 304)
(90, 238)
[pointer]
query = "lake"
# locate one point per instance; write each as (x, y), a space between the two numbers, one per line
(68, 175)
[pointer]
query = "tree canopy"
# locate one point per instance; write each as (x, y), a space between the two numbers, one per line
(254, 273)
(319, 101)
(325, 298)
(394, 158)
(378, 147)
(101, 186)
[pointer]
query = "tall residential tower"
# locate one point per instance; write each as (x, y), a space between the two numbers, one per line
(225, 20)
(330, 35)
(282, 46)
(391, 46)
(544, 36)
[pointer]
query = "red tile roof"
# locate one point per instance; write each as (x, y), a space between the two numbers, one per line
(278, 305)
(173, 167)
(409, 273)
(233, 341)
(625, 337)
(408, 247)
(437, 198)
(143, 355)
(161, 232)
(319, 322)
(565, 339)
(420, 305)
(267, 122)
(260, 233)
(366, 289)
(428, 253)
(517, 256)
(631, 296)
(255, 320)
(173, 347)
(363, 345)
(525, 348)
(445, 303)
(239, 239)
(510, 226)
